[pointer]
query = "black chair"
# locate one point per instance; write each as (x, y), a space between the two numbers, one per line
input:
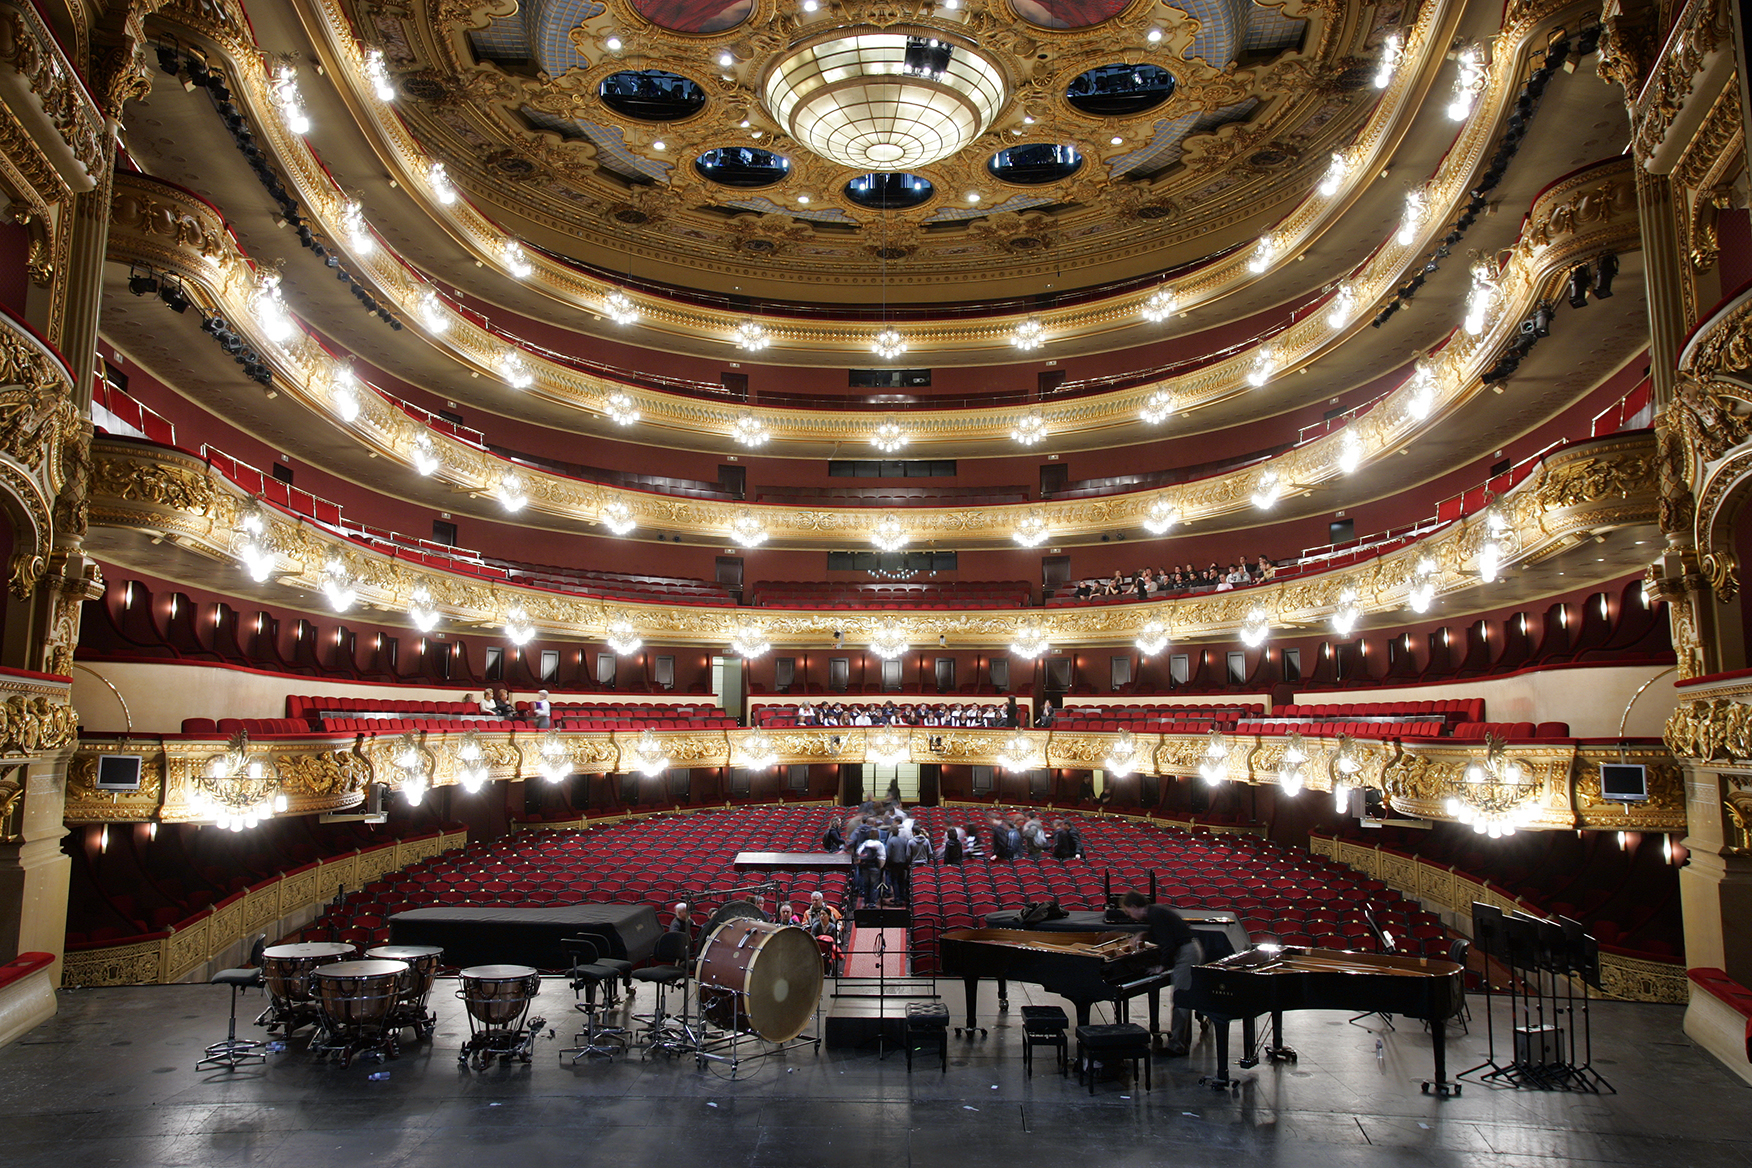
(235, 1052)
(587, 973)
(663, 1031)
(1119, 1042)
(927, 1022)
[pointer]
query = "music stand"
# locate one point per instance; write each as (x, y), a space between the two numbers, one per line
(1385, 945)
(1581, 959)
(1487, 939)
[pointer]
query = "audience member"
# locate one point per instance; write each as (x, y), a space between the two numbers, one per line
(1152, 583)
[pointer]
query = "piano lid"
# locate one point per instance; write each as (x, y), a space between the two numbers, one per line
(1105, 946)
(1299, 959)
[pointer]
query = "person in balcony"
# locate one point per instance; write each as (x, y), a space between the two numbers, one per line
(1265, 569)
(542, 710)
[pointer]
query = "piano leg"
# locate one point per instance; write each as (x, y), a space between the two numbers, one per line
(972, 985)
(1441, 1084)
(1003, 995)
(1155, 1013)
(1249, 1042)
(1221, 1080)
(1277, 1052)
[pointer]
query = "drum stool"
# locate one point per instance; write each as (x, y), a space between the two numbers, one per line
(1107, 1044)
(927, 1022)
(235, 1052)
(662, 1031)
(587, 973)
(1045, 1026)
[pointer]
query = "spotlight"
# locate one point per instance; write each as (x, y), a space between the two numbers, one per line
(212, 325)
(1542, 321)
(1603, 278)
(142, 283)
(1580, 280)
(174, 297)
(169, 60)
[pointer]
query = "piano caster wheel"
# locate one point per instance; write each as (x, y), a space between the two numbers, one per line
(970, 1031)
(1247, 1064)
(1003, 1005)
(1442, 1089)
(1217, 1084)
(1281, 1054)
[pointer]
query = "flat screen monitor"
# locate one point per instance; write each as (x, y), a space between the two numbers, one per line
(1623, 782)
(118, 772)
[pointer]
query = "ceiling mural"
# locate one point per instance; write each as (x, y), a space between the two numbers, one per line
(711, 142)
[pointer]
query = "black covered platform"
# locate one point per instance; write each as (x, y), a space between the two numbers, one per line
(510, 935)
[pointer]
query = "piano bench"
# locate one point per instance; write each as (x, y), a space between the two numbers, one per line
(1108, 1044)
(1044, 1026)
(927, 1022)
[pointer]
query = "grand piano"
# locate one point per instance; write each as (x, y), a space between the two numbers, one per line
(1273, 980)
(1083, 968)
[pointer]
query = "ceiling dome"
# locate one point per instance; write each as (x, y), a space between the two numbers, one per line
(891, 100)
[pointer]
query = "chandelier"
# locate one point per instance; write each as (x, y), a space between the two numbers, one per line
(357, 230)
(1030, 642)
(515, 372)
(622, 638)
(255, 543)
(747, 530)
(511, 494)
(749, 641)
(424, 454)
(1423, 388)
(1263, 253)
(442, 188)
(1256, 628)
(422, 611)
(1417, 209)
(1423, 585)
(750, 431)
(620, 407)
(1344, 302)
(1152, 638)
(1029, 335)
(1265, 495)
(337, 585)
(236, 790)
(1336, 170)
(888, 100)
(1159, 305)
(1161, 517)
(284, 89)
(889, 534)
(888, 344)
(1211, 767)
(647, 754)
(1496, 796)
(1158, 407)
(1122, 757)
(889, 641)
(270, 309)
(1347, 614)
(554, 757)
(617, 517)
(1345, 765)
(471, 771)
(759, 752)
(1264, 364)
(888, 747)
(1392, 49)
(889, 437)
(1289, 776)
(344, 389)
(1029, 429)
(517, 260)
(752, 335)
(1480, 298)
(1491, 551)
(1017, 753)
(619, 307)
(414, 766)
(1031, 530)
(432, 313)
(519, 630)
(1468, 82)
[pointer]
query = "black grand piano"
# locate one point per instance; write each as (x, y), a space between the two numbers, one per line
(1083, 968)
(1273, 979)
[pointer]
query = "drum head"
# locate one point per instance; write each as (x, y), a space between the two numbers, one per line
(404, 952)
(345, 969)
(309, 949)
(770, 976)
(734, 910)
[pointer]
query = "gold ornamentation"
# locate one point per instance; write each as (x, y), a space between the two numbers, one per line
(322, 776)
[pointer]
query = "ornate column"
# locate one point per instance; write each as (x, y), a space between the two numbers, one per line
(1664, 280)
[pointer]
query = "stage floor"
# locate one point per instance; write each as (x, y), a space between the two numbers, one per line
(110, 1081)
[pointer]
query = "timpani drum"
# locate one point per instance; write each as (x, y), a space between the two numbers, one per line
(759, 976)
(496, 998)
(357, 999)
(422, 962)
(287, 971)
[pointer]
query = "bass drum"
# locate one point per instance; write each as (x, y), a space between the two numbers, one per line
(755, 975)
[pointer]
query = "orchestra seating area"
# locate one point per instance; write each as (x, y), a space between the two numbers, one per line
(1159, 718)
(834, 594)
(1282, 894)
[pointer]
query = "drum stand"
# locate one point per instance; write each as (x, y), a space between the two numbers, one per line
(726, 1046)
(343, 1043)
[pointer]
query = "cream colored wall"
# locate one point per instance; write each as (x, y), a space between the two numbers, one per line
(1590, 698)
(160, 694)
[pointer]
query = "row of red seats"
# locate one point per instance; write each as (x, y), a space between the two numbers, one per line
(1512, 730)
(230, 726)
(1383, 729)
(1452, 709)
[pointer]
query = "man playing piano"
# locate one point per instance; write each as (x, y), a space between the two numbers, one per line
(1180, 950)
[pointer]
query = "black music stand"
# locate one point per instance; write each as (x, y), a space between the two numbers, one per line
(1581, 954)
(1384, 944)
(1487, 939)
